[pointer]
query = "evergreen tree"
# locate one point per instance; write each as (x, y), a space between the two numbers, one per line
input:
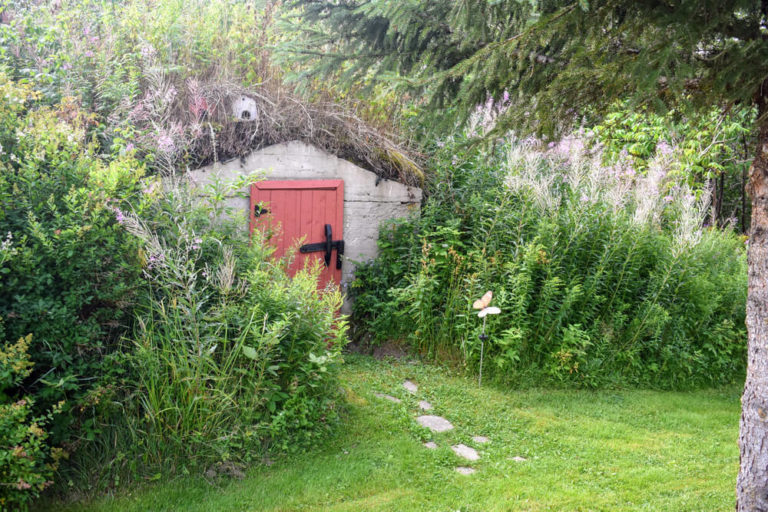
(556, 60)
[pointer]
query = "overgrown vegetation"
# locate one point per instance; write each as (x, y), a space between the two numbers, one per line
(144, 334)
(711, 152)
(154, 335)
(162, 79)
(604, 276)
(228, 352)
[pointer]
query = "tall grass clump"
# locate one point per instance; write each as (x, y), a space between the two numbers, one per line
(231, 356)
(604, 276)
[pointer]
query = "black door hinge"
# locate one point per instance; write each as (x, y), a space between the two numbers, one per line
(328, 246)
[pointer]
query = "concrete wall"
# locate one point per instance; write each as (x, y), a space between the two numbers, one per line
(366, 205)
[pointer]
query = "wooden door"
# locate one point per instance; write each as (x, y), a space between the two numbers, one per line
(303, 213)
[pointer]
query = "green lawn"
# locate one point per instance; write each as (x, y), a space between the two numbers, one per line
(607, 450)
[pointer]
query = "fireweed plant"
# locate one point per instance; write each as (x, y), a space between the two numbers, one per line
(604, 276)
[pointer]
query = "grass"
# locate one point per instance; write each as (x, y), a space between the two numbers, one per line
(584, 450)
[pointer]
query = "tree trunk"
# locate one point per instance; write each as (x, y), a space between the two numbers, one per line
(744, 188)
(752, 484)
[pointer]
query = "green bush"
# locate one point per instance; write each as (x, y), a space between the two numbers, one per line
(230, 355)
(27, 462)
(604, 276)
(70, 271)
(711, 151)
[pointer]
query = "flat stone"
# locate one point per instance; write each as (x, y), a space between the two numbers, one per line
(431, 445)
(435, 423)
(465, 470)
(480, 439)
(425, 406)
(465, 451)
(518, 458)
(410, 386)
(388, 397)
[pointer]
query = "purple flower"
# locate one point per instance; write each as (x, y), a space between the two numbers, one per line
(149, 189)
(89, 53)
(119, 215)
(154, 259)
(668, 199)
(147, 51)
(130, 147)
(505, 97)
(66, 66)
(170, 94)
(165, 144)
(663, 148)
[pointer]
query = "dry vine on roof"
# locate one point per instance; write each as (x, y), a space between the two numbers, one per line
(194, 123)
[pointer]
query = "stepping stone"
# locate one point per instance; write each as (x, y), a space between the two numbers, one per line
(425, 406)
(388, 397)
(410, 386)
(465, 451)
(480, 439)
(465, 470)
(431, 445)
(517, 458)
(435, 423)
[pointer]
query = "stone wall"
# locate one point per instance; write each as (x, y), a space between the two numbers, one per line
(366, 204)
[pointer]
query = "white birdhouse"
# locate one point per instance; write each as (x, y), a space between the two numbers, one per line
(245, 109)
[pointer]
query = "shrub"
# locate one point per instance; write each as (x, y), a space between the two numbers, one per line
(70, 272)
(604, 276)
(27, 462)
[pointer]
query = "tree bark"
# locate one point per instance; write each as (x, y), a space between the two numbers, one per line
(752, 483)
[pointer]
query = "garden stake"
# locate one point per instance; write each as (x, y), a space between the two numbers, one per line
(485, 310)
(483, 337)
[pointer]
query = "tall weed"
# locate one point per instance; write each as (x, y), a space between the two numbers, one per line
(604, 276)
(230, 354)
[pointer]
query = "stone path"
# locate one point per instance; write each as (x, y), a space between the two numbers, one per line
(465, 451)
(435, 423)
(411, 387)
(439, 424)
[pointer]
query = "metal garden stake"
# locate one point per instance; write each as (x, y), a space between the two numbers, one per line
(483, 305)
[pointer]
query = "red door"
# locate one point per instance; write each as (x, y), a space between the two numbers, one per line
(303, 215)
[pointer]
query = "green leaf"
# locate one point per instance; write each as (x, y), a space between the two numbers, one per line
(250, 352)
